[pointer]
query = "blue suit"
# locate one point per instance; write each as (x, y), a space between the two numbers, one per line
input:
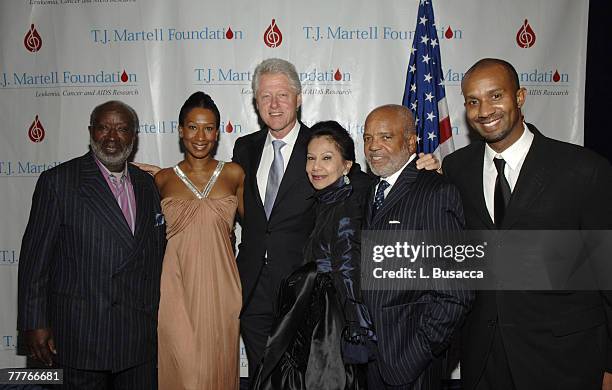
(414, 328)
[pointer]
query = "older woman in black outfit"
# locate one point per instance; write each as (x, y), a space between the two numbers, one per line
(321, 335)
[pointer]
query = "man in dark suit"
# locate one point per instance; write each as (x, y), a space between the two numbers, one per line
(414, 328)
(524, 339)
(91, 262)
(278, 215)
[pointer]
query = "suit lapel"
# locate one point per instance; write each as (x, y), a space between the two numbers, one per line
(369, 206)
(97, 195)
(143, 203)
(473, 172)
(296, 167)
(398, 191)
(531, 181)
(256, 152)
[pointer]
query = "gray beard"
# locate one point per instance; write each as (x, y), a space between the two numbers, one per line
(394, 165)
(117, 159)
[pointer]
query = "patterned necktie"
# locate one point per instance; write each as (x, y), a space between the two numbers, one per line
(274, 177)
(502, 192)
(379, 197)
(122, 198)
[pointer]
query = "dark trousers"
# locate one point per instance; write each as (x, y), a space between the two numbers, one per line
(430, 379)
(141, 377)
(257, 319)
(496, 374)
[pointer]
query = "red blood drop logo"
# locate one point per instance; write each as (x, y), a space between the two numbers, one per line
(448, 34)
(36, 132)
(32, 40)
(229, 34)
(124, 77)
(229, 128)
(337, 75)
(556, 76)
(273, 36)
(525, 37)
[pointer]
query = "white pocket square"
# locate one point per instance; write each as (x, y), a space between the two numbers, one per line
(390, 222)
(159, 219)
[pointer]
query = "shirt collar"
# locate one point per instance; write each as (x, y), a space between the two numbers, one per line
(513, 154)
(391, 179)
(119, 175)
(289, 139)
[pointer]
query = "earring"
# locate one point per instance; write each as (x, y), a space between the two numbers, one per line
(346, 179)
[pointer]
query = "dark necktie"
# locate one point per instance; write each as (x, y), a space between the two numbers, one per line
(274, 176)
(379, 197)
(502, 192)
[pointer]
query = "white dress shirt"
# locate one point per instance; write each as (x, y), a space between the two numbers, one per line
(514, 156)
(391, 179)
(267, 157)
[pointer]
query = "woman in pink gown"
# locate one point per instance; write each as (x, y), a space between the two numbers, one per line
(198, 330)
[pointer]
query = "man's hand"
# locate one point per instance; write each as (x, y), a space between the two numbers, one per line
(607, 381)
(149, 168)
(40, 344)
(429, 162)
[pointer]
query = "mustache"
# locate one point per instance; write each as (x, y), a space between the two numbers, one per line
(120, 157)
(491, 118)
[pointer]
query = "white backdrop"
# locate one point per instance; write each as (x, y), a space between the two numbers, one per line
(60, 58)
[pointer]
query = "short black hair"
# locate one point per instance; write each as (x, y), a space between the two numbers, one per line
(199, 100)
(339, 136)
(496, 61)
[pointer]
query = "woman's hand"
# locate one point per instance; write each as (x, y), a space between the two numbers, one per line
(149, 168)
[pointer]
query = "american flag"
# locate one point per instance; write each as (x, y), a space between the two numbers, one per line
(424, 92)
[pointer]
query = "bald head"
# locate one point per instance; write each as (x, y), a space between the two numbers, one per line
(487, 63)
(396, 113)
(389, 139)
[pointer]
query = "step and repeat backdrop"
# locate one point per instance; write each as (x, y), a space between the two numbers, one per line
(60, 58)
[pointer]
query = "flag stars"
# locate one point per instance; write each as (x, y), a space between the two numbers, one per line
(418, 139)
(413, 87)
(424, 39)
(426, 58)
(434, 43)
(423, 20)
(428, 77)
(430, 116)
(416, 121)
(412, 50)
(412, 68)
(429, 96)
(413, 105)
(431, 136)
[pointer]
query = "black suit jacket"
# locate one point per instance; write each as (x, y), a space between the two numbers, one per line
(83, 273)
(414, 328)
(553, 339)
(291, 220)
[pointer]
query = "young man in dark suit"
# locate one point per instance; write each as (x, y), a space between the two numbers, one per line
(278, 215)
(516, 178)
(91, 262)
(413, 327)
